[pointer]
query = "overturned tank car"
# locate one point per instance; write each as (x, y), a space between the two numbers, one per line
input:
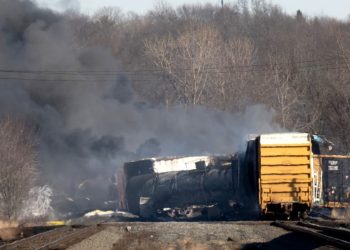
(188, 187)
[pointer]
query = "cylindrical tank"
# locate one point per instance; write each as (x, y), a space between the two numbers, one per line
(180, 189)
(226, 184)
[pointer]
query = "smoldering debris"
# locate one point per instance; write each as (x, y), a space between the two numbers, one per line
(88, 126)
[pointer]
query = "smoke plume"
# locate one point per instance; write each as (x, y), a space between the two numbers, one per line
(87, 126)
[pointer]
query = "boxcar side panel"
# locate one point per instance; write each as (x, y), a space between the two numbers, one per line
(285, 177)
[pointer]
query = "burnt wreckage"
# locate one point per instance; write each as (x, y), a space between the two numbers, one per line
(182, 187)
(278, 174)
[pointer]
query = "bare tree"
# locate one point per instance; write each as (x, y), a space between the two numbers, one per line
(18, 166)
(187, 60)
(232, 57)
(237, 56)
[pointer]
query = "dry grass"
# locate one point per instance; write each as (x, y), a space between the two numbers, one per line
(9, 230)
(347, 214)
(7, 224)
(341, 213)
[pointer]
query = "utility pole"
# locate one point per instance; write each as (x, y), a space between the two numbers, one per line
(222, 3)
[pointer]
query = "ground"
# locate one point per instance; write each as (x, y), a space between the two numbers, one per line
(196, 235)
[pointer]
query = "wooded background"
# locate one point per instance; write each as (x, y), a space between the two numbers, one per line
(231, 57)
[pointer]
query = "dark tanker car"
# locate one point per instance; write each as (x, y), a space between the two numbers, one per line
(209, 187)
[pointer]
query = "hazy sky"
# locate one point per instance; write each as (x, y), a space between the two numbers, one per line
(332, 8)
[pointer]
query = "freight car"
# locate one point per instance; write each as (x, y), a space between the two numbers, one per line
(181, 187)
(276, 175)
(288, 182)
(335, 180)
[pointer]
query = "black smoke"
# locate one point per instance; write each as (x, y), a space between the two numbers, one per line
(89, 126)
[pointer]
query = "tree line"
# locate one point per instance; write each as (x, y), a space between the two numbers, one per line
(231, 57)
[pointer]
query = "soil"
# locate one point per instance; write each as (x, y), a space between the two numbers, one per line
(197, 235)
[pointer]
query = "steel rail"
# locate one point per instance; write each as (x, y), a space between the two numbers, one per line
(340, 230)
(20, 242)
(313, 232)
(71, 238)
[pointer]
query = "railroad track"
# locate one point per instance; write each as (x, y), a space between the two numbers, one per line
(337, 236)
(60, 238)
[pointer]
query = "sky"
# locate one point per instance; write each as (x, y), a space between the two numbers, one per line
(332, 8)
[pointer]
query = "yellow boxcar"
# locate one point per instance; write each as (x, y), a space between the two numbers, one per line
(285, 174)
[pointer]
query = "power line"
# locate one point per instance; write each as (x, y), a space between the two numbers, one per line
(96, 80)
(152, 70)
(95, 76)
(243, 68)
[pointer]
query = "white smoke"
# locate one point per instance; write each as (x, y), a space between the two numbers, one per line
(38, 204)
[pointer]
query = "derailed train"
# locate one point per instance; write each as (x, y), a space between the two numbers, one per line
(278, 174)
